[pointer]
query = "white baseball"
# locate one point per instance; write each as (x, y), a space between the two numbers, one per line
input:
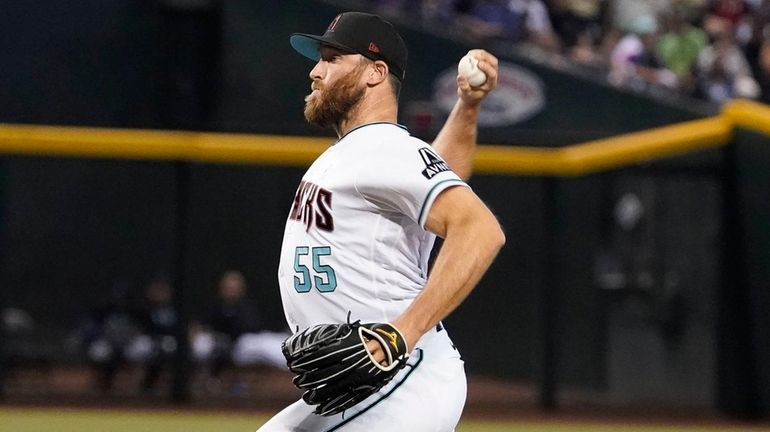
(469, 68)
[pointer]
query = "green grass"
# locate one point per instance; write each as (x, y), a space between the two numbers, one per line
(93, 420)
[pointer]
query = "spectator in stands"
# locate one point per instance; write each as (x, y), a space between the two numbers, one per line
(398, 7)
(723, 71)
(159, 322)
(594, 46)
(441, 12)
(108, 332)
(537, 24)
(624, 14)
(578, 23)
(729, 15)
(508, 20)
(758, 48)
(678, 48)
(763, 65)
(232, 335)
(18, 330)
(634, 61)
(663, 43)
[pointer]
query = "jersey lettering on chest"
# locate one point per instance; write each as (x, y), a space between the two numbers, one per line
(313, 207)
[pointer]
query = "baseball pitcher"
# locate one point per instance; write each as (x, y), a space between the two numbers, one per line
(369, 350)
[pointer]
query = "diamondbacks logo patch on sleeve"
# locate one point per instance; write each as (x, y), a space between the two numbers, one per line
(433, 163)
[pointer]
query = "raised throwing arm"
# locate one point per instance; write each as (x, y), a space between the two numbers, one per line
(456, 141)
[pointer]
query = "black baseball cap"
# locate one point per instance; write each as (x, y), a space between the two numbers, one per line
(361, 33)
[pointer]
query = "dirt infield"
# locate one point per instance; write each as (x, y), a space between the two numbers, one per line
(264, 391)
(85, 420)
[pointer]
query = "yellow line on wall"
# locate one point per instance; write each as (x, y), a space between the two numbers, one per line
(578, 159)
(749, 114)
(593, 156)
(159, 145)
(493, 159)
(645, 146)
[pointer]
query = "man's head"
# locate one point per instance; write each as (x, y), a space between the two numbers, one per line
(232, 286)
(358, 33)
(357, 52)
(159, 291)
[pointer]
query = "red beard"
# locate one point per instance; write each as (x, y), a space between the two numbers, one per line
(332, 104)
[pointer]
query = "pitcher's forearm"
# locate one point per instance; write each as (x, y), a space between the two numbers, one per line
(456, 142)
(465, 256)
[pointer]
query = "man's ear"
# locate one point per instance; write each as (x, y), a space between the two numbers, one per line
(378, 73)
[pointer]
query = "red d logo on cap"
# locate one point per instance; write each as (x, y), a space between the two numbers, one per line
(334, 22)
(373, 48)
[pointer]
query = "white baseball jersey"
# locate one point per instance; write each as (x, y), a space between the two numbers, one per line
(355, 239)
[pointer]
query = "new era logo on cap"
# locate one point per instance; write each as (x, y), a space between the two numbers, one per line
(356, 32)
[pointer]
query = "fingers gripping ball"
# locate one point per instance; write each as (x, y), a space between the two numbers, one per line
(334, 368)
(469, 68)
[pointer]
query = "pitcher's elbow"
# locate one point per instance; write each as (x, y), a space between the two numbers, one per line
(499, 237)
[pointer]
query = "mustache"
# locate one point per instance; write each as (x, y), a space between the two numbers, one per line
(313, 87)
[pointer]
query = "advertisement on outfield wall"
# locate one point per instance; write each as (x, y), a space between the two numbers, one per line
(520, 94)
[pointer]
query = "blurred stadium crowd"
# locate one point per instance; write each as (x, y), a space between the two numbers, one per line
(710, 49)
(126, 330)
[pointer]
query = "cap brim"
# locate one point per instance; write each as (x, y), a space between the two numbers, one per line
(309, 45)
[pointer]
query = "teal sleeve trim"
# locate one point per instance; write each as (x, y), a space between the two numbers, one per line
(431, 194)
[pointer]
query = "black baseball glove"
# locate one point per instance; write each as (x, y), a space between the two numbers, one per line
(334, 368)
